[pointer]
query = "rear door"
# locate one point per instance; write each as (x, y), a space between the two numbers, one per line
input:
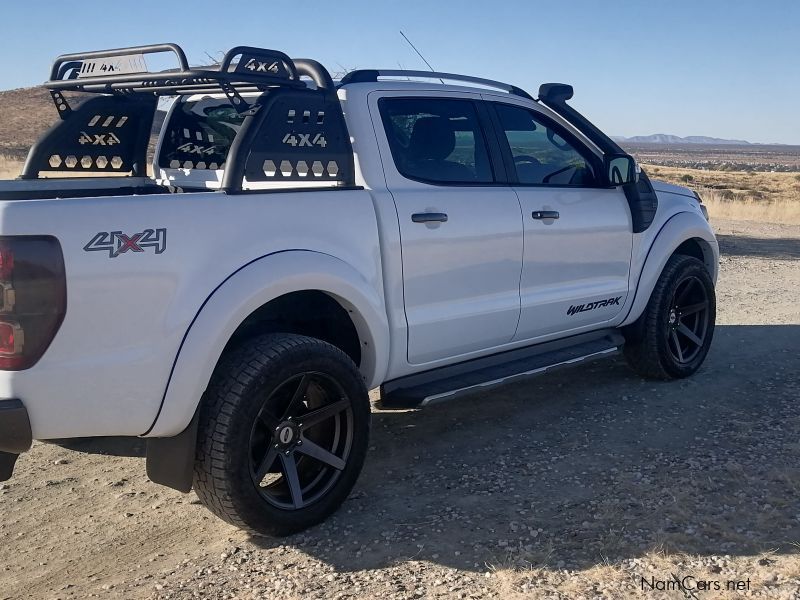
(577, 234)
(461, 232)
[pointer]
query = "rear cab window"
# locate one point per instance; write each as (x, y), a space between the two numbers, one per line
(436, 140)
(199, 134)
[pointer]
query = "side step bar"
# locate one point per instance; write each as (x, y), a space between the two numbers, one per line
(480, 374)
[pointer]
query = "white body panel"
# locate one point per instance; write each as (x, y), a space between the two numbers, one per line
(581, 257)
(460, 278)
(142, 332)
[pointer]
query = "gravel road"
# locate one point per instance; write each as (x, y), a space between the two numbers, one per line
(589, 483)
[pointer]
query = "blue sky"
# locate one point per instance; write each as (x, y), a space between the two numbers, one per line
(704, 67)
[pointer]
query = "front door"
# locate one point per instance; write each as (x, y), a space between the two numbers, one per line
(461, 233)
(578, 235)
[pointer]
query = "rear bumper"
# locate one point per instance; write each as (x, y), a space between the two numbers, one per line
(15, 427)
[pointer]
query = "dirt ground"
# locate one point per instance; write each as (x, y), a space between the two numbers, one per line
(589, 483)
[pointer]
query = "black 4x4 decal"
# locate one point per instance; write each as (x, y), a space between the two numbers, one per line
(116, 242)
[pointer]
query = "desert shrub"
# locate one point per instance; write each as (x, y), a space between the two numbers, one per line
(686, 177)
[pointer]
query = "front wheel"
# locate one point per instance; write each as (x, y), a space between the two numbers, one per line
(672, 337)
(284, 429)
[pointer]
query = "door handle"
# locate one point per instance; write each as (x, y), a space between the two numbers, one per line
(431, 217)
(545, 214)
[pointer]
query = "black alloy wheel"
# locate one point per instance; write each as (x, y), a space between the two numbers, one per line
(688, 320)
(301, 440)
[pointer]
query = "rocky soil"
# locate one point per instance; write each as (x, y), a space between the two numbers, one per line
(590, 483)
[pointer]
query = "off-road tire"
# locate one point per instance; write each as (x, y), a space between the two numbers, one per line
(230, 411)
(648, 349)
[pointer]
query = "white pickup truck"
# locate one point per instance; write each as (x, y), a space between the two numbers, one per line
(300, 241)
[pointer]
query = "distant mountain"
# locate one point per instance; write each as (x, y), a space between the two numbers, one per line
(665, 138)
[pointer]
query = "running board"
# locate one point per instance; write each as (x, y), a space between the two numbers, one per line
(481, 374)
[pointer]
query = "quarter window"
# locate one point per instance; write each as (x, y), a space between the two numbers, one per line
(436, 140)
(541, 156)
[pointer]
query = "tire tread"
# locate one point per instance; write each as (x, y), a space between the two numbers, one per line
(236, 373)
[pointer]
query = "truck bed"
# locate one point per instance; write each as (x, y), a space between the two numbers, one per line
(127, 313)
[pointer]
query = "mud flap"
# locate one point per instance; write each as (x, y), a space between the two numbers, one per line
(170, 461)
(7, 461)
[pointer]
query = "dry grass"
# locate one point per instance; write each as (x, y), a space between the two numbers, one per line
(709, 576)
(779, 211)
(740, 195)
(734, 185)
(9, 167)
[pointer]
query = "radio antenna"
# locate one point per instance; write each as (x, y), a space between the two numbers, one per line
(405, 37)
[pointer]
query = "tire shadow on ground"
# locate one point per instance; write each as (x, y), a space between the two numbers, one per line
(582, 466)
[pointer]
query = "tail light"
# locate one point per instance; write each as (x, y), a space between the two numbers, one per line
(33, 298)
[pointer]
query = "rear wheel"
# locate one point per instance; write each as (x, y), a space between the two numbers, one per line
(284, 430)
(672, 337)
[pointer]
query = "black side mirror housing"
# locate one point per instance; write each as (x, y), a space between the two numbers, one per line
(620, 169)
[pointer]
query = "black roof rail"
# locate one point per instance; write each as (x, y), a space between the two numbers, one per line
(372, 75)
(124, 71)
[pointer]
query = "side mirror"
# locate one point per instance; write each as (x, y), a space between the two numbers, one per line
(620, 169)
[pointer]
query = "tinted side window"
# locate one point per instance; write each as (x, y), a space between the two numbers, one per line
(542, 156)
(438, 140)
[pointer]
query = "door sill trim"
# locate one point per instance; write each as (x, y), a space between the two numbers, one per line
(444, 383)
(436, 398)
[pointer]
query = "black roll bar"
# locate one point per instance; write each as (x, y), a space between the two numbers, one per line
(57, 72)
(313, 69)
